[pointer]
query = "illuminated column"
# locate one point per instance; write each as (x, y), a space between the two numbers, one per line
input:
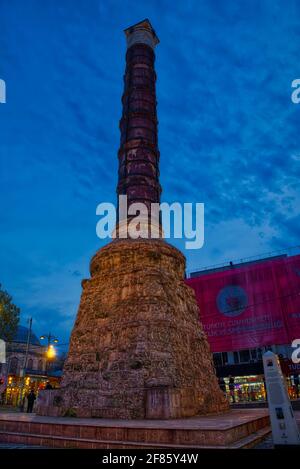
(138, 177)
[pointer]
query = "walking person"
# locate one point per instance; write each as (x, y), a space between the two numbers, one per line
(231, 388)
(30, 399)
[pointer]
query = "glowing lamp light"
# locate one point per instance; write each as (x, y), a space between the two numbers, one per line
(51, 352)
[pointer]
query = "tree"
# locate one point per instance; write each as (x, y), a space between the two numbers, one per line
(9, 316)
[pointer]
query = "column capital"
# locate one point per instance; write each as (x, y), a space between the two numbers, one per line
(141, 33)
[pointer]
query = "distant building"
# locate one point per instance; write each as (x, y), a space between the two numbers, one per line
(246, 309)
(16, 377)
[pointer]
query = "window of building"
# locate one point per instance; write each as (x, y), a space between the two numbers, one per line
(241, 356)
(217, 359)
(13, 366)
(41, 365)
(236, 358)
(224, 358)
(30, 364)
(244, 356)
(220, 359)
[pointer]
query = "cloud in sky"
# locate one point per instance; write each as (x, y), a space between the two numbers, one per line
(228, 132)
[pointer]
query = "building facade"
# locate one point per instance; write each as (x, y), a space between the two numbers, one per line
(22, 373)
(247, 309)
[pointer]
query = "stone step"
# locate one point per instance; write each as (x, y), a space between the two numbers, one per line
(216, 431)
(237, 428)
(48, 441)
(251, 440)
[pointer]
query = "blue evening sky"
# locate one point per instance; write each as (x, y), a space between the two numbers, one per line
(228, 133)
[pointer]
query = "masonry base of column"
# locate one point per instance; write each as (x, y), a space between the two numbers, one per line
(137, 348)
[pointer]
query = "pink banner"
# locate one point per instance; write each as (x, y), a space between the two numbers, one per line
(251, 306)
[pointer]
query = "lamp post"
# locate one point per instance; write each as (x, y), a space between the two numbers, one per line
(23, 370)
(50, 352)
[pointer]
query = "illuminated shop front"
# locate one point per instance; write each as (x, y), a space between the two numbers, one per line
(15, 381)
(17, 387)
(246, 369)
(247, 388)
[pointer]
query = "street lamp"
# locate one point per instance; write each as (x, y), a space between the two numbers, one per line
(50, 338)
(50, 352)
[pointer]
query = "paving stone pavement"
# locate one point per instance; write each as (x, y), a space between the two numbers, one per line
(268, 442)
(265, 444)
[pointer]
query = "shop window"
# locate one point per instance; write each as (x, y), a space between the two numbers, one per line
(236, 358)
(13, 367)
(249, 388)
(254, 354)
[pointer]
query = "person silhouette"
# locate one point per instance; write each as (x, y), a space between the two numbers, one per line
(30, 399)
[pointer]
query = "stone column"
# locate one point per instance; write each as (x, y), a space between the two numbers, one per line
(138, 153)
(137, 348)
